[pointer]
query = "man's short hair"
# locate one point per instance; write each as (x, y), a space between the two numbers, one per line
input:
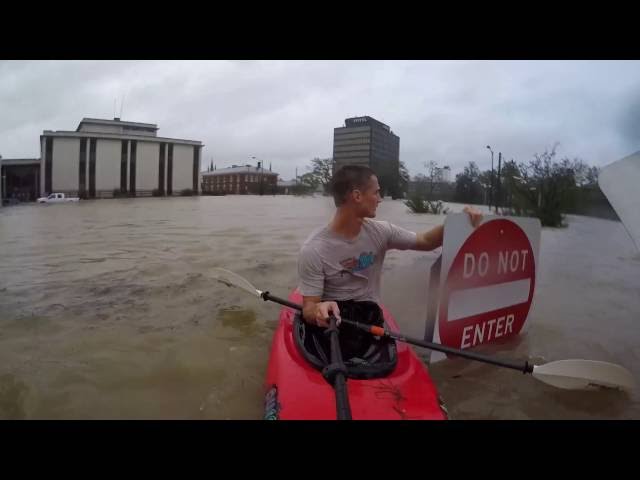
(347, 179)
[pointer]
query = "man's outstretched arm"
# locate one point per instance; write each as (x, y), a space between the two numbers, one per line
(432, 239)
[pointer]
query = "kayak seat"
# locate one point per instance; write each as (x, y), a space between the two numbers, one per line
(364, 355)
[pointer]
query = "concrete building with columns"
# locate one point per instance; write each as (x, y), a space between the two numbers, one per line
(106, 158)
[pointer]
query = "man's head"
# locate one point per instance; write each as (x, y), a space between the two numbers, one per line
(356, 187)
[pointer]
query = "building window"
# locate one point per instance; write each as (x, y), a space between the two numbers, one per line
(196, 168)
(92, 167)
(82, 174)
(132, 168)
(161, 169)
(123, 165)
(48, 164)
(170, 170)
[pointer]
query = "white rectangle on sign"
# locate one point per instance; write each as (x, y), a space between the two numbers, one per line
(475, 301)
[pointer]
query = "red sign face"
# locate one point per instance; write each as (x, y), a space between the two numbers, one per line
(489, 288)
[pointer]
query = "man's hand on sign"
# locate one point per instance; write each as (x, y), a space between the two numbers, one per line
(433, 238)
(475, 215)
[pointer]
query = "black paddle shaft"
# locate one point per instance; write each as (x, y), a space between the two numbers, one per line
(267, 296)
(335, 372)
(524, 367)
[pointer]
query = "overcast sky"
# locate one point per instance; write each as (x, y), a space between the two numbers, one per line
(284, 112)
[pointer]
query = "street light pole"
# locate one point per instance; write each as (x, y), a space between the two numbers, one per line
(491, 189)
(261, 177)
(498, 185)
(260, 170)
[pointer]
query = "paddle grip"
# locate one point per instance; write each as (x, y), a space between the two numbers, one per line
(267, 296)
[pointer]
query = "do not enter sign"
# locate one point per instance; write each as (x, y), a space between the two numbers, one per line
(488, 280)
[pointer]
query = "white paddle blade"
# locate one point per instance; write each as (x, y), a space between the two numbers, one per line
(231, 279)
(619, 182)
(584, 375)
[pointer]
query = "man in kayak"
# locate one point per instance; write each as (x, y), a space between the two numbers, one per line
(342, 262)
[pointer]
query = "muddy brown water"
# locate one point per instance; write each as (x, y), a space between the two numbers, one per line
(108, 310)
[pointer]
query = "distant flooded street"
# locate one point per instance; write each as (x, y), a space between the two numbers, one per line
(108, 310)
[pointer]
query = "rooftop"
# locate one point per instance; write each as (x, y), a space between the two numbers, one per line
(366, 120)
(119, 136)
(19, 161)
(117, 122)
(239, 169)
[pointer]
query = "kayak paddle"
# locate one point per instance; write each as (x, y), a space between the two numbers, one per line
(571, 374)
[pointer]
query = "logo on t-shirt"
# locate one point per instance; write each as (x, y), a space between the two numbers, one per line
(356, 264)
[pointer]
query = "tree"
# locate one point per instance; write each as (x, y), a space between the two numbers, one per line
(508, 178)
(580, 170)
(583, 173)
(306, 185)
(485, 183)
(468, 188)
(322, 171)
(399, 188)
(310, 181)
(404, 178)
(434, 176)
(547, 188)
(425, 185)
(592, 175)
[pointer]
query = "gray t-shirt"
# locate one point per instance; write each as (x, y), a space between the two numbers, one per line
(335, 268)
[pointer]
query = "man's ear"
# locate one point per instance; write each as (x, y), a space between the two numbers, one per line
(356, 195)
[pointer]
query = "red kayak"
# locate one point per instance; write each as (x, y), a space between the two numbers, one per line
(295, 390)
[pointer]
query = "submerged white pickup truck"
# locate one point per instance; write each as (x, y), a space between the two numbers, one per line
(58, 198)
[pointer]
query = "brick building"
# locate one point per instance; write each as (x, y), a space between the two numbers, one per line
(239, 180)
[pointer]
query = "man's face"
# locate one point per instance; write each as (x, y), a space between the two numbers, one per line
(368, 198)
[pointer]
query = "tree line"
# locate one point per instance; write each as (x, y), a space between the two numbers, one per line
(394, 185)
(546, 187)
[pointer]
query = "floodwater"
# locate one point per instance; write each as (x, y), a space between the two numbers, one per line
(108, 310)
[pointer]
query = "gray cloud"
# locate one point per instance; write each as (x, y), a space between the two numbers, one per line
(630, 119)
(284, 112)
